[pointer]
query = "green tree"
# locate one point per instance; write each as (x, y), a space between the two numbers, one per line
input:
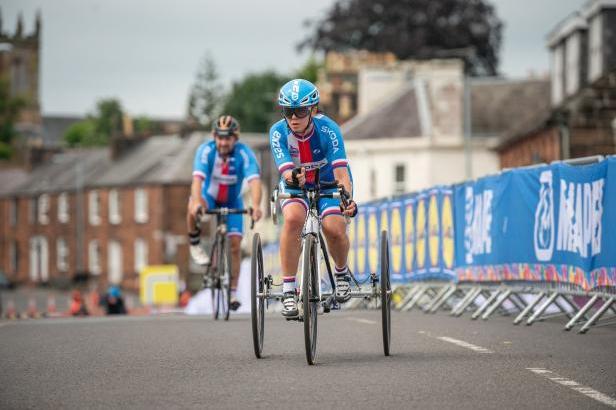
(413, 29)
(98, 128)
(310, 70)
(144, 125)
(10, 108)
(253, 100)
(206, 94)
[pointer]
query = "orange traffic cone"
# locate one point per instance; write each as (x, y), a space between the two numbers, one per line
(11, 313)
(51, 305)
(32, 309)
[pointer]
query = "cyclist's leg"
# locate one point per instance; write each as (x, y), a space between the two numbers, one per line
(294, 214)
(235, 232)
(194, 236)
(335, 230)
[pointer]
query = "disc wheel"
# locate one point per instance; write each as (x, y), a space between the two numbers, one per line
(310, 298)
(385, 293)
(257, 303)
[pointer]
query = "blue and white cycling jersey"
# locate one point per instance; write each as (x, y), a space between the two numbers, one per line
(223, 179)
(323, 148)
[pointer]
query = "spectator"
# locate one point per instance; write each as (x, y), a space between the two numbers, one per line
(78, 307)
(114, 302)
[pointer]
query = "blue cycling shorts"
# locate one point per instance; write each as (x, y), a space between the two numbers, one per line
(235, 222)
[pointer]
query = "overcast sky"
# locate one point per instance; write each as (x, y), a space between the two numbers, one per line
(146, 52)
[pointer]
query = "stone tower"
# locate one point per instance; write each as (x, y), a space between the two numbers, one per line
(20, 66)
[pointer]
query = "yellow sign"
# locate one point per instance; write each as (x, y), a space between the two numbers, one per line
(421, 234)
(361, 243)
(373, 240)
(433, 233)
(409, 231)
(447, 228)
(351, 257)
(159, 285)
(396, 240)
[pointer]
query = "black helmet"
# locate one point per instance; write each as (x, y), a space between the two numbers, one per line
(225, 126)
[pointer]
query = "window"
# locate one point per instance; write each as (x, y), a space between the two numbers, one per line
(63, 213)
(39, 259)
(62, 255)
(43, 209)
(372, 183)
(399, 179)
(114, 262)
(94, 214)
(94, 257)
(13, 212)
(141, 254)
(141, 205)
(114, 207)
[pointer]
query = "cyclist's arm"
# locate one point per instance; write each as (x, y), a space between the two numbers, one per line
(280, 152)
(255, 195)
(342, 176)
(200, 169)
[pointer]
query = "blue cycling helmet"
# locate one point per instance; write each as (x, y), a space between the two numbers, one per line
(114, 291)
(298, 93)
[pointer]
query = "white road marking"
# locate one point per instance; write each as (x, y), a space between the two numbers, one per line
(366, 321)
(573, 385)
(464, 344)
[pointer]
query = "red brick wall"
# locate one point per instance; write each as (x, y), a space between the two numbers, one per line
(541, 146)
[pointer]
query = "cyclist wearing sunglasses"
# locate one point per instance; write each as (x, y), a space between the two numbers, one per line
(220, 168)
(302, 141)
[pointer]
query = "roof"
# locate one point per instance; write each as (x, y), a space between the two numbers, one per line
(499, 106)
(157, 160)
(399, 117)
(54, 128)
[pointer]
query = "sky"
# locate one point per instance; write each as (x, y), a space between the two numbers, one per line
(146, 52)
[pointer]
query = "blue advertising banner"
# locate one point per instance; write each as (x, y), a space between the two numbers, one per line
(549, 224)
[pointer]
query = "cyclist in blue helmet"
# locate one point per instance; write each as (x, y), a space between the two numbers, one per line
(305, 139)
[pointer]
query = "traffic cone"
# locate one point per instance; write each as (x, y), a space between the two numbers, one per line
(11, 313)
(51, 305)
(32, 311)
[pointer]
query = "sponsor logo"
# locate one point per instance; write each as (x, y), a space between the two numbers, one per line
(225, 179)
(409, 233)
(361, 243)
(544, 219)
(478, 218)
(579, 217)
(314, 165)
(447, 228)
(433, 230)
(276, 149)
(396, 240)
(333, 137)
(295, 90)
(316, 151)
(373, 241)
(421, 227)
(294, 151)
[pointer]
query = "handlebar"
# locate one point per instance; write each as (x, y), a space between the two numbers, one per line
(224, 211)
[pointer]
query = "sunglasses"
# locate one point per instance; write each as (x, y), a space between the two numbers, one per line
(300, 112)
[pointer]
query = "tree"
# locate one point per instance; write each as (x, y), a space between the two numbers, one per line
(413, 29)
(206, 94)
(98, 128)
(310, 70)
(10, 108)
(253, 101)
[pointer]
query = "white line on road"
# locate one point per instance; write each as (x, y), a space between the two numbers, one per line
(573, 385)
(366, 321)
(467, 345)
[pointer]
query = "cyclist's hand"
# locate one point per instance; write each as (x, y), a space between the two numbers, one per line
(256, 213)
(194, 206)
(351, 208)
(301, 177)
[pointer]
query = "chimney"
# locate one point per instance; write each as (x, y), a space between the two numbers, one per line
(120, 145)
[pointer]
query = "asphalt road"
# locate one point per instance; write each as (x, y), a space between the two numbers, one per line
(194, 362)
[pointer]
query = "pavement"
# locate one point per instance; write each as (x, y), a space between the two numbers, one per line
(176, 361)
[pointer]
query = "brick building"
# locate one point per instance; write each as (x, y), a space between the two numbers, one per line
(100, 213)
(580, 119)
